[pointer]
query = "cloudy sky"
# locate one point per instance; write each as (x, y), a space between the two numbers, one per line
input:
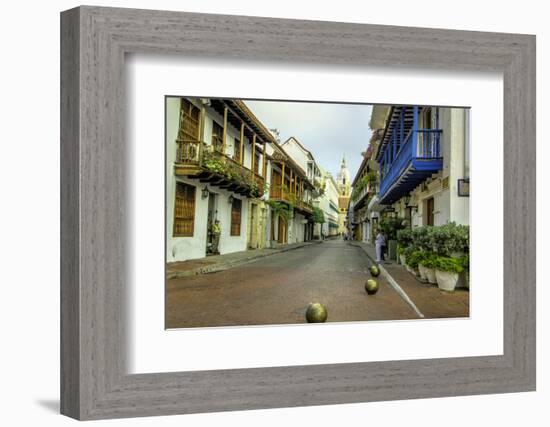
(327, 130)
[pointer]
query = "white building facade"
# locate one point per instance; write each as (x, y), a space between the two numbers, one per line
(216, 170)
(424, 163)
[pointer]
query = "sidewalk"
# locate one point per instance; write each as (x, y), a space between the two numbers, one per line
(214, 263)
(426, 298)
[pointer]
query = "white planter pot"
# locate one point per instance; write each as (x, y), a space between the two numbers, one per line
(402, 259)
(446, 280)
(430, 275)
(422, 271)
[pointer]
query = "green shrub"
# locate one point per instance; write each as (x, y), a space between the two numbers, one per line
(408, 251)
(453, 265)
(428, 259)
(414, 259)
(390, 227)
(404, 237)
(450, 238)
(465, 262)
(318, 215)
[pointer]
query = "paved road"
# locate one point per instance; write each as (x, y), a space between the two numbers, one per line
(278, 288)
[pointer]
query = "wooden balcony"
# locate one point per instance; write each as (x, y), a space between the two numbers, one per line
(200, 161)
(408, 154)
(277, 194)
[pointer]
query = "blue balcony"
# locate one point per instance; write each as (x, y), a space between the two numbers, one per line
(408, 155)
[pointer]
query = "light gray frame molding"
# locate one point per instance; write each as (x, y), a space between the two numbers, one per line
(94, 41)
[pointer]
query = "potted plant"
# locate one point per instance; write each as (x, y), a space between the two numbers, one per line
(447, 270)
(419, 258)
(412, 262)
(404, 240)
(464, 278)
(428, 264)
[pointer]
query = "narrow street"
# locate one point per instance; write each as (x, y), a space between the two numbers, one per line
(277, 290)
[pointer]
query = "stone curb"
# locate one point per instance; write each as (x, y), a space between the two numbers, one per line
(392, 282)
(230, 264)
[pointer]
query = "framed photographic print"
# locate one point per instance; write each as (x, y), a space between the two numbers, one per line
(260, 213)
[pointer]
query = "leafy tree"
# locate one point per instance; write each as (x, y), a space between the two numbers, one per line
(318, 215)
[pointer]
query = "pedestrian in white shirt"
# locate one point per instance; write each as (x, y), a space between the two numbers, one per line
(379, 244)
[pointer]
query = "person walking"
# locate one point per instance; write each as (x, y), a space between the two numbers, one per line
(380, 244)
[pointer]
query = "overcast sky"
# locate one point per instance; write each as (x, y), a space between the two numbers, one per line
(327, 130)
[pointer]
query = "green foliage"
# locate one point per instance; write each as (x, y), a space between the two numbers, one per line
(453, 265)
(408, 251)
(414, 259)
(404, 237)
(318, 215)
(219, 164)
(450, 239)
(390, 227)
(465, 262)
(428, 259)
(370, 177)
(280, 209)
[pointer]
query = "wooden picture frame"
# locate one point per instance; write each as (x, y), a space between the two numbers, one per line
(94, 41)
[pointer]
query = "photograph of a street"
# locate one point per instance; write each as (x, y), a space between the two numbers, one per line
(283, 212)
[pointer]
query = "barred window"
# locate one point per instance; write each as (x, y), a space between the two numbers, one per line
(184, 210)
(236, 208)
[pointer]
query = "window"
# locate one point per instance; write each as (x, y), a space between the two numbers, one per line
(236, 208)
(189, 125)
(189, 132)
(217, 136)
(237, 151)
(184, 210)
(257, 163)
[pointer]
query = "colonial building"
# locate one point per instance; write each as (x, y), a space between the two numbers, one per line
(343, 182)
(328, 203)
(423, 156)
(216, 177)
(365, 185)
(290, 197)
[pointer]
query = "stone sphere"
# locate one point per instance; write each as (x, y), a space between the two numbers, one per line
(374, 270)
(316, 313)
(371, 286)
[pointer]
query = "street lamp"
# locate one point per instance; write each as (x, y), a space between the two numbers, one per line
(230, 200)
(205, 192)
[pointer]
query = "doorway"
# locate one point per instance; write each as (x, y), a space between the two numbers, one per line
(212, 241)
(430, 211)
(282, 234)
(253, 237)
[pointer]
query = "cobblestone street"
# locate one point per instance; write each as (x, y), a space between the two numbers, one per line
(277, 289)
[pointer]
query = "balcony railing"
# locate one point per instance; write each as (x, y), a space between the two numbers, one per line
(210, 165)
(277, 194)
(418, 157)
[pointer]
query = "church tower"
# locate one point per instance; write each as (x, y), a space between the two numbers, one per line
(343, 179)
(343, 182)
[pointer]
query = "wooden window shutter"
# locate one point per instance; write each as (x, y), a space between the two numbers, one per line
(236, 208)
(184, 210)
